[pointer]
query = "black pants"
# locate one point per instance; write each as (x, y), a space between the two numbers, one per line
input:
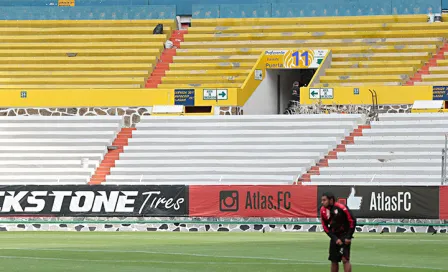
(337, 252)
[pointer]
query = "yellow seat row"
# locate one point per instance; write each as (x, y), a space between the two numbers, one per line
(75, 67)
(316, 35)
(432, 48)
(71, 86)
(86, 45)
(203, 80)
(71, 74)
(357, 84)
(364, 78)
(79, 52)
(199, 73)
(315, 28)
(314, 43)
(311, 20)
(198, 85)
(83, 38)
(369, 71)
(78, 60)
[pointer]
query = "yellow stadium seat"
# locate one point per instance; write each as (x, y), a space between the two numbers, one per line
(309, 43)
(438, 70)
(65, 74)
(381, 56)
(202, 80)
(68, 86)
(196, 73)
(431, 83)
(214, 59)
(367, 78)
(221, 65)
(73, 81)
(311, 20)
(78, 60)
(435, 77)
(78, 52)
(357, 84)
(86, 45)
(310, 28)
(205, 85)
(74, 67)
(369, 71)
(376, 64)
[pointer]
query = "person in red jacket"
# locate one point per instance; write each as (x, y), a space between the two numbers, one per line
(339, 224)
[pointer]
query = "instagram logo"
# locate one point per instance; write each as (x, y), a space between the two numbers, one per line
(228, 201)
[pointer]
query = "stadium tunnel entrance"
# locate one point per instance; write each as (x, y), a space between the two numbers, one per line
(274, 94)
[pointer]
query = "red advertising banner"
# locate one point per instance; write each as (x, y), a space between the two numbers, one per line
(443, 198)
(253, 201)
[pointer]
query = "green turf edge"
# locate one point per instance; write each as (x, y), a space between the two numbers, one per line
(212, 222)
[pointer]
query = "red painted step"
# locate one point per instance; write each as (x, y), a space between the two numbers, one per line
(417, 77)
(108, 162)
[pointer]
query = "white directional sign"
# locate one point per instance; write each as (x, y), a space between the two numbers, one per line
(322, 93)
(215, 94)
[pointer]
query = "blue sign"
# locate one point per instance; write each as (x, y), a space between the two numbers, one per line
(184, 97)
(440, 93)
(23, 94)
(356, 91)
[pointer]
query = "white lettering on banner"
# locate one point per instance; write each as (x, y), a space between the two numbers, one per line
(58, 199)
(123, 201)
(381, 202)
(75, 203)
(86, 201)
(12, 201)
(40, 203)
(157, 201)
(102, 201)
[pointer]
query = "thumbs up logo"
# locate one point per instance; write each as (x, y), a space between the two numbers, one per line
(354, 202)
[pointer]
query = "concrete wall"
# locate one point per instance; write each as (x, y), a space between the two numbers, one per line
(265, 98)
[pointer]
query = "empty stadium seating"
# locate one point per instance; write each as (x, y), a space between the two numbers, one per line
(373, 50)
(400, 149)
(79, 54)
(228, 149)
(54, 150)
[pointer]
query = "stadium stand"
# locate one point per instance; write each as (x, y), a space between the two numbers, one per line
(79, 54)
(52, 150)
(271, 149)
(400, 149)
(372, 50)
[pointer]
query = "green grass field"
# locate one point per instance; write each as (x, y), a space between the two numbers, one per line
(223, 251)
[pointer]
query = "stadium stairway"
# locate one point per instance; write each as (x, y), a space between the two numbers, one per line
(333, 154)
(434, 72)
(165, 60)
(400, 149)
(112, 155)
